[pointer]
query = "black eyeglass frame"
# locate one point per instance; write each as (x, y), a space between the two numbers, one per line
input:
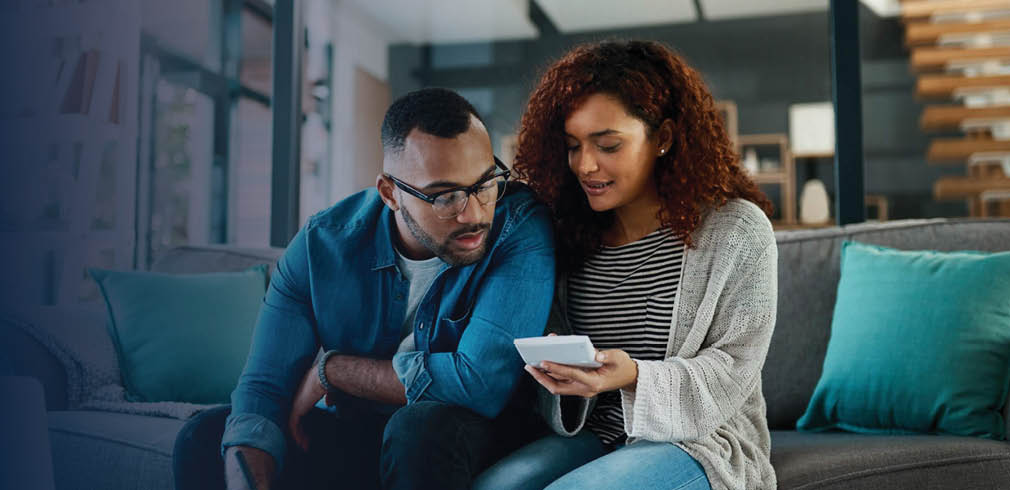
(469, 189)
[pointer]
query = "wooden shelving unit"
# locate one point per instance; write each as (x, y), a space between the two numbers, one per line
(784, 175)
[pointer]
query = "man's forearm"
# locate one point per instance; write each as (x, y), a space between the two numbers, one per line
(259, 463)
(373, 379)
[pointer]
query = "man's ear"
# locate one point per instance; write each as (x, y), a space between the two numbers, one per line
(385, 188)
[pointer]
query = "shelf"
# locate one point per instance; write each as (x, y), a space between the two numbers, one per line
(959, 150)
(924, 34)
(770, 177)
(943, 86)
(924, 9)
(783, 176)
(937, 118)
(926, 59)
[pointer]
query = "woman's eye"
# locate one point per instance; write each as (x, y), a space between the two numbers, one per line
(572, 148)
(610, 149)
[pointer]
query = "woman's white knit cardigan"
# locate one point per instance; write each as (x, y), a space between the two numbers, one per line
(706, 396)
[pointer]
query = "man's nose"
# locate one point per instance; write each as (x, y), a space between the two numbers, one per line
(473, 212)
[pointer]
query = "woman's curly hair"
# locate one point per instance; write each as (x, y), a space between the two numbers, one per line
(700, 171)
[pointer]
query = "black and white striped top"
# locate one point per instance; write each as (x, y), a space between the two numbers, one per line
(622, 298)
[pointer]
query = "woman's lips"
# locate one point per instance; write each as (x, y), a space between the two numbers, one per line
(597, 187)
(470, 241)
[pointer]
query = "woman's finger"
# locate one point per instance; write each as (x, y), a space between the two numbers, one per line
(570, 372)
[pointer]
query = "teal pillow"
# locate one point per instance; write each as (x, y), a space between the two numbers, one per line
(181, 337)
(920, 343)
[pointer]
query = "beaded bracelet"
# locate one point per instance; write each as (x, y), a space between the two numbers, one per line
(322, 370)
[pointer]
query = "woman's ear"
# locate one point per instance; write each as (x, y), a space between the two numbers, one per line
(664, 137)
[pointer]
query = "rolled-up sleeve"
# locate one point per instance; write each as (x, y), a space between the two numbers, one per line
(284, 345)
(514, 301)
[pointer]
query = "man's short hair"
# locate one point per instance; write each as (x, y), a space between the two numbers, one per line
(436, 111)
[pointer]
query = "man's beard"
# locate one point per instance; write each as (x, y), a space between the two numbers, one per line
(443, 250)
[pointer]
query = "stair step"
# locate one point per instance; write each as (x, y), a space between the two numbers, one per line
(943, 86)
(958, 150)
(938, 118)
(927, 59)
(965, 187)
(924, 9)
(924, 34)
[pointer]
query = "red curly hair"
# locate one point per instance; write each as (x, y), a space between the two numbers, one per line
(700, 171)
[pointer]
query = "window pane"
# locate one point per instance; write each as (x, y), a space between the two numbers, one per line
(181, 180)
(257, 38)
(250, 176)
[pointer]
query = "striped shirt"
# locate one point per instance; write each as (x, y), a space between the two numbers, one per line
(622, 298)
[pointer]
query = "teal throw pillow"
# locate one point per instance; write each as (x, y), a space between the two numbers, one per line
(920, 343)
(181, 337)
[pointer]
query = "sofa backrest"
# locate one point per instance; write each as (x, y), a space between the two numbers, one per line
(808, 280)
(214, 258)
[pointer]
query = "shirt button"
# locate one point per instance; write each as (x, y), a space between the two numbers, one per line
(421, 327)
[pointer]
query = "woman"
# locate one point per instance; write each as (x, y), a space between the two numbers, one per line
(669, 266)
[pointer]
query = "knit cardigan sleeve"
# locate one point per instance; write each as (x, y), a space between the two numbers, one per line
(564, 414)
(683, 399)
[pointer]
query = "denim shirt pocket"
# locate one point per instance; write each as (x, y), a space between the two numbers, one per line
(449, 331)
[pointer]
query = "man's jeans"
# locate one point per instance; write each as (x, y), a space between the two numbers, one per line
(423, 445)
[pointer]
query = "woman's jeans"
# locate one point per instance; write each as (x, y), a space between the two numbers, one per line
(583, 462)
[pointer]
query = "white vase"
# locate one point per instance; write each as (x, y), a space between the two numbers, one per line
(814, 203)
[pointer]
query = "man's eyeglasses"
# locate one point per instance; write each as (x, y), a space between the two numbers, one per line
(450, 203)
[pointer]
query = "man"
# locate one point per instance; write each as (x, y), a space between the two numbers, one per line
(415, 290)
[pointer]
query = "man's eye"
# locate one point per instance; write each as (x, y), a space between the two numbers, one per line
(449, 198)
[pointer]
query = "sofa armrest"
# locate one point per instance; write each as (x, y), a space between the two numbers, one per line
(23, 355)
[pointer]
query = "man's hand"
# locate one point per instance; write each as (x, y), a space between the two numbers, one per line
(260, 464)
(309, 392)
(618, 371)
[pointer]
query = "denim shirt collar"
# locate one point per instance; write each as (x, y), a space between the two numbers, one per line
(385, 255)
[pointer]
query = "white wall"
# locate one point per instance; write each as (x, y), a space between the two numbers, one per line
(358, 41)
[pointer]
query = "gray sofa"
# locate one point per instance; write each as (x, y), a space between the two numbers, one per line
(103, 450)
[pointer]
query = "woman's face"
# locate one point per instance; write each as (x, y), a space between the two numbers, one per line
(611, 153)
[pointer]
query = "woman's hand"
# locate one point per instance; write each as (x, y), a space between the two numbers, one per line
(617, 372)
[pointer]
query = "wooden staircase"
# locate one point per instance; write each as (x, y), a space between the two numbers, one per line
(960, 50)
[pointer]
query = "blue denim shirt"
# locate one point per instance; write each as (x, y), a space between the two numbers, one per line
(338, 285)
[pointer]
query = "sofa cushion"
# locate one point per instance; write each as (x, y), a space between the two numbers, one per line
(839, 460)
(181, 337)
(808, 282)
(111, 450)
(920, 342)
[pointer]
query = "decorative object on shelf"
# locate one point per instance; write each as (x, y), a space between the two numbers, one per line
(814, 203)
(727, 110)
(78, 97)
(879, 205)
(812, 129)
(750, 160)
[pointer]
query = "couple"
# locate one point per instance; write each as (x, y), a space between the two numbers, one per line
(663, 254)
